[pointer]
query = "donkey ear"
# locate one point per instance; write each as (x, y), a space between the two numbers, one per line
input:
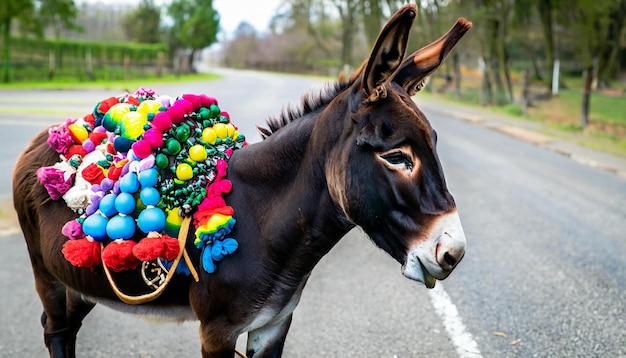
(388, 51)
(423, 62)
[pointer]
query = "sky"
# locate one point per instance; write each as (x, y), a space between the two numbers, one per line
(257, 13)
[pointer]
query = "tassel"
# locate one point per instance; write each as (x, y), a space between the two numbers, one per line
(118, 255)
(155, 246)
(82, 252)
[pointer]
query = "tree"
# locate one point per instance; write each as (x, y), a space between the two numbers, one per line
(33, 16)
(143, 24)
(195, 26)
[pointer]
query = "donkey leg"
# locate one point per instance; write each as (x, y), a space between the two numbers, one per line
(268, 341)
(54, 317)
(77, 309)
(217, 340)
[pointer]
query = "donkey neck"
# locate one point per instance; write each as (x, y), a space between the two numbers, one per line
(283, 184)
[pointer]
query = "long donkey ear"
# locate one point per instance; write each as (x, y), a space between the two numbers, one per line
(388, 52)
(423, 62)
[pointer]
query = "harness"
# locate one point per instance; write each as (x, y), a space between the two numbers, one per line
(138, 171)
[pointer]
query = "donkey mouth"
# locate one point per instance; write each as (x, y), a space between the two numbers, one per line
(414, 270)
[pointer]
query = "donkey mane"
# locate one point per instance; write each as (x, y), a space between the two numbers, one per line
(312, 100)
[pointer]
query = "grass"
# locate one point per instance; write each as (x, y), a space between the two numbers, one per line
(132, 83)
(561, 116)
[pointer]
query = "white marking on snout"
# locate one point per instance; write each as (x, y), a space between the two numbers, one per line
(436, 255)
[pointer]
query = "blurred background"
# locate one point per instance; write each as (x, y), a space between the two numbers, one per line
(560, 61)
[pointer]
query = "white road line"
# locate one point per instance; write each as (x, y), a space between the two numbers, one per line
(462, 340)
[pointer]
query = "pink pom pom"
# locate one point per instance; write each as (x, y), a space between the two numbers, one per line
(162, 122)
(142, 148)
(207, 101)
(73, 230)
(154, 137)
(176, 112)
(195, 100)
(225, 114)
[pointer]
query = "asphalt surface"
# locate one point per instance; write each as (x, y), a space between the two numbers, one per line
(544, 274)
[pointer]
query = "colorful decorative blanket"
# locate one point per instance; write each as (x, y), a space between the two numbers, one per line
(134, 168)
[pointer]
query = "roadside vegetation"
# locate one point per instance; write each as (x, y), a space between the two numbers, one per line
(561, 62)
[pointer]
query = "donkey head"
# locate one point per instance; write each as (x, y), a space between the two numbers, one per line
(393, 186)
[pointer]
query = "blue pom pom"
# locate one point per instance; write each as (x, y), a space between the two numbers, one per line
(149, 196)
(207, 260)
(151, 219)
(107, 205)
(95, 226)
(125, 203)
(121, 227)
(148, 177)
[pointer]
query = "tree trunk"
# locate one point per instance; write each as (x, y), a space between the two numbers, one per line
(348, 16)
(587, 80)
(372, 20)
(191, 65)
(6, 33)
(486, 94)
(456, 65)
(545, 8)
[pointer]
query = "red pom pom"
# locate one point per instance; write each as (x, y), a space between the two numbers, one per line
(93, 174)
(98, 137)
(82, 252)
(104, 106)
(118, 255)
(90, 119)
(171, 247)
(132, 100)
(75, 149)
(152, 247)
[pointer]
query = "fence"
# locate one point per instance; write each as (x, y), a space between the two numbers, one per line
(61, 60)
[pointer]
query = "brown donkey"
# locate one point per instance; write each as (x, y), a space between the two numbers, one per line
(359, 153)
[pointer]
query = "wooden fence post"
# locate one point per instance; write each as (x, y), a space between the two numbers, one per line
(160, 61)
(51, 64)
(89, 65)
(525, 101)
(126, 67)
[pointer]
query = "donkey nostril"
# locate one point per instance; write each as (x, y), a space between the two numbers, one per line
(449, 259)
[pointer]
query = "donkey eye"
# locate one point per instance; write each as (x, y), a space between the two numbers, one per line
(399, 158)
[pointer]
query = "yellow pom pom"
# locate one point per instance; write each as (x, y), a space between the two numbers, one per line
(184, 171)
(230, 130)
(197, 153)
(209, 135)
(78, 132)
(132, 125)
(118, 111)
(149, 106)
(220, 130)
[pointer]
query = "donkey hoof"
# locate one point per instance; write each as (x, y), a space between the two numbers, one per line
(43, 319)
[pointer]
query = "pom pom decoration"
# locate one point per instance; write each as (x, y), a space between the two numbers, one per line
(82, 253)
(142, 161)
(150, 248)
(119, 256)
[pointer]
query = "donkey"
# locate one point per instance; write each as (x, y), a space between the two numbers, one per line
(359, 153)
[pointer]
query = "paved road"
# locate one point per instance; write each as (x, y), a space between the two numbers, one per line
(544, 274)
